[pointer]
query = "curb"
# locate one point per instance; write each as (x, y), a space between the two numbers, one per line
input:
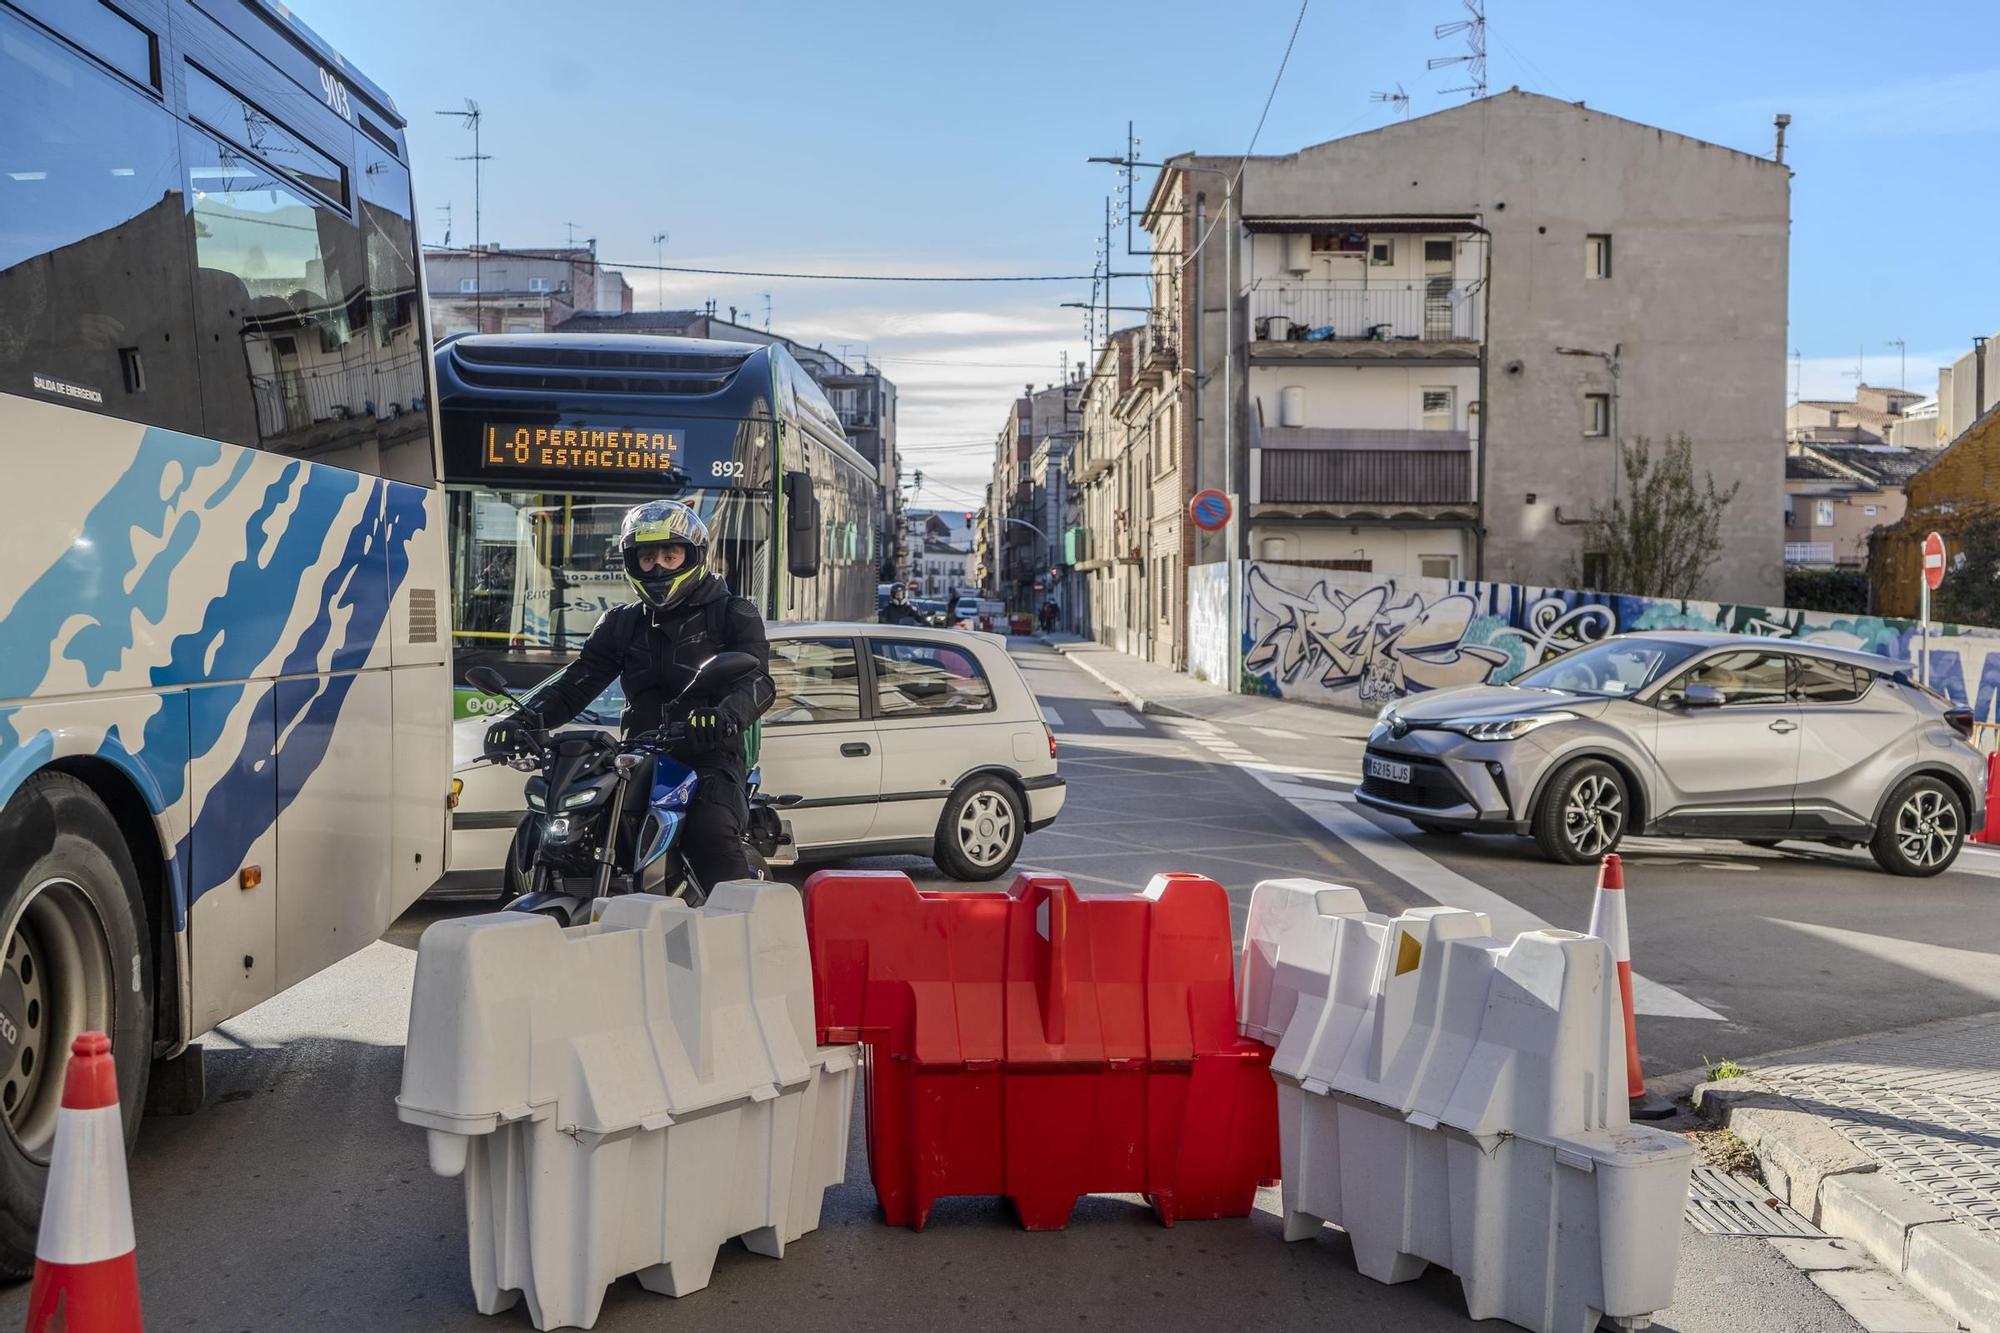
(1125, 692)
(1815, 1169)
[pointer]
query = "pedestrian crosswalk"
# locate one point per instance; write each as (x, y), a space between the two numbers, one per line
(1051, 716)
(1116, 719)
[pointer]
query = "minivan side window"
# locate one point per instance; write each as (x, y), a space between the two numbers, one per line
(927, 680)
(817, 680)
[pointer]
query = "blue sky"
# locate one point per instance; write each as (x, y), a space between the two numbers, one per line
(942, 137)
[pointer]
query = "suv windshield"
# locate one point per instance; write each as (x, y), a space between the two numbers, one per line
(1612, 669)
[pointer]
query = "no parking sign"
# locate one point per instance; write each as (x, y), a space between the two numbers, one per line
(1209, 510)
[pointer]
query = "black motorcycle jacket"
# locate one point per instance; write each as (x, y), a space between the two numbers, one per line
(654, 654)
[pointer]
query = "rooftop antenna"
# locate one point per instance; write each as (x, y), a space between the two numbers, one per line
(1798, 375)
(1860, 368)
(1398, 99)
(569, 242)
(1902, 362)
(1474, 58)
(767, 312)
(445, 208)
(660, 265)
(469, 119)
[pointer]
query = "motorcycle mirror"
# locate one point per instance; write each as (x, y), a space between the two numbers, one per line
(487, 679)
(718, 673)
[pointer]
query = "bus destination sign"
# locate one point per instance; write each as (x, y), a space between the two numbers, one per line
(582, 449)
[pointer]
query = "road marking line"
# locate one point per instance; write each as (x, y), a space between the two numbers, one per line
(1279, 732)
(1116, 718)
(1968, 968)
(1051, 716)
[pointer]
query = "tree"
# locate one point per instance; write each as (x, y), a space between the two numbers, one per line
(1656, 539)
(1970, 593)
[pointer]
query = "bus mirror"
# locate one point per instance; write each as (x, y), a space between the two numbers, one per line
(801, 526)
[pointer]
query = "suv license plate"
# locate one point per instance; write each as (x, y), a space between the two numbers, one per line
(1388, 770)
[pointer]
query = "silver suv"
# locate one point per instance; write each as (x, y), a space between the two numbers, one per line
(1700, 735)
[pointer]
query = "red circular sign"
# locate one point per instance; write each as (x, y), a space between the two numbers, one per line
(1934, 560)
(1209, 510)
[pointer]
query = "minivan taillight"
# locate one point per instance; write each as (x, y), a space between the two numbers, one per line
(1961, 721)
(1050, 732)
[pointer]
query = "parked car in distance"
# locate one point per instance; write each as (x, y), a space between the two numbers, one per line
(1699, 735)
(897, 739)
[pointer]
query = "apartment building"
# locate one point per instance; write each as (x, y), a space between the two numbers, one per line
(1023, 548)
(1837, 493)
(1106, 549)
(1419, 348)
(488, 289)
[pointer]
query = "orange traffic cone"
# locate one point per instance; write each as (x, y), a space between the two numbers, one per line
(1607, 922)
(86, 1265)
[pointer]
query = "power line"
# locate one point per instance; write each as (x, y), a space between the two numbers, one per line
(1243, 162)
(852, 277)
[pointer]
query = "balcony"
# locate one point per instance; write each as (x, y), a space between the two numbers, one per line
(1414, 320)
(1808, 553)
(1153, 357)
(1319, 466)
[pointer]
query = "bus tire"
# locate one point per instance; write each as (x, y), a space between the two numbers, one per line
(74, 955)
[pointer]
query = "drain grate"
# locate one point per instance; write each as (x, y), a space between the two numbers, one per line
(1729, 1205)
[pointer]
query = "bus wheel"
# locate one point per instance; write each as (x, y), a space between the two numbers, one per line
(73, 957)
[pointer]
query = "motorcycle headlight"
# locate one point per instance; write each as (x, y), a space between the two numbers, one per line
(556, 829)
(578, 798)
(1503, 728)
(534, 801)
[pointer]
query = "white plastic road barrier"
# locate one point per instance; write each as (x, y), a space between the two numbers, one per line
(1449, 1099)
(624, 1097)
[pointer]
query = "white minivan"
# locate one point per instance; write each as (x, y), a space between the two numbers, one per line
(895, 739)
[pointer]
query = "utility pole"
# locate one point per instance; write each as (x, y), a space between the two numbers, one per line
(469, 118)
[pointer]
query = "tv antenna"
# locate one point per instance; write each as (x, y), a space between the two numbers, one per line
(1902, 361)
(1474, 58)
(469, 118)
(767, 312)
(1398, 99)
(660, 267)
(445, 208)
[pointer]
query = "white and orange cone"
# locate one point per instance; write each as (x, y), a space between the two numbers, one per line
(1607, 922)
(86, 1262)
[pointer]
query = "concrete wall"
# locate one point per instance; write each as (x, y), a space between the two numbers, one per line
(1364, 397)
(1695, 308)
(1360, 641)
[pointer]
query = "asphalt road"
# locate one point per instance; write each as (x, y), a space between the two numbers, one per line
(295, 1199)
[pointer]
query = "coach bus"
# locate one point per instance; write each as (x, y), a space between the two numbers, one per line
(224, 698)
(549, 438)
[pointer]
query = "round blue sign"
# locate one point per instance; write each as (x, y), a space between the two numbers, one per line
(1209, 510)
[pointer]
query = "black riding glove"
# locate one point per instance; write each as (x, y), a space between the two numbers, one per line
(710, 730)
(510, 735)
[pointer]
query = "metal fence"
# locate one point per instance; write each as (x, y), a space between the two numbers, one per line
(1418, 310)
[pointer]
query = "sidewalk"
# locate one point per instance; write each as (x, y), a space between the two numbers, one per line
(1152, 688)
(1893, 1141)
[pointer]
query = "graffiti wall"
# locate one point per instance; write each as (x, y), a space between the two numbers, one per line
(1360, 640)
(1208, 622)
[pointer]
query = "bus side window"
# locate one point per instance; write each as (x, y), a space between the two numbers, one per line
(277, 279)
(93, 275)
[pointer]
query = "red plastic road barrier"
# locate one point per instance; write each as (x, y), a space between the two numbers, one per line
(1990, 834)
(1608, 923)
(1045, 1044)
(86, 1265)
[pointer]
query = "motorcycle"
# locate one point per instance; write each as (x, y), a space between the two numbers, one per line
(575, 845)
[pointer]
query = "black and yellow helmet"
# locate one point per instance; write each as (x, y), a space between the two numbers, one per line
(664, 523)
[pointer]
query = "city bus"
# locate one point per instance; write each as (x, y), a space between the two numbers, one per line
(549, 438)
(224, 685)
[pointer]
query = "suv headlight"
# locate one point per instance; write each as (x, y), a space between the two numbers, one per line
(1503, 728)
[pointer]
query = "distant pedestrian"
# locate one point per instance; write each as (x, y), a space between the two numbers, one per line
(1049, 613)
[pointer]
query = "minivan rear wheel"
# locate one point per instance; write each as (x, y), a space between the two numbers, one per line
(1583, 813)
(1921, 830)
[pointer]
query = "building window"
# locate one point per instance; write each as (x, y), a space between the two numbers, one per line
(1597, 414)
(468, 284)
(1439, 408)
(1382, 252)
(1437, 566)
(1823, 513)
(1597, 255)
(538, 284)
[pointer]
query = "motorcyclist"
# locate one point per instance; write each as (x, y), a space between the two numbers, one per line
(899, 611)
(684, 616)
